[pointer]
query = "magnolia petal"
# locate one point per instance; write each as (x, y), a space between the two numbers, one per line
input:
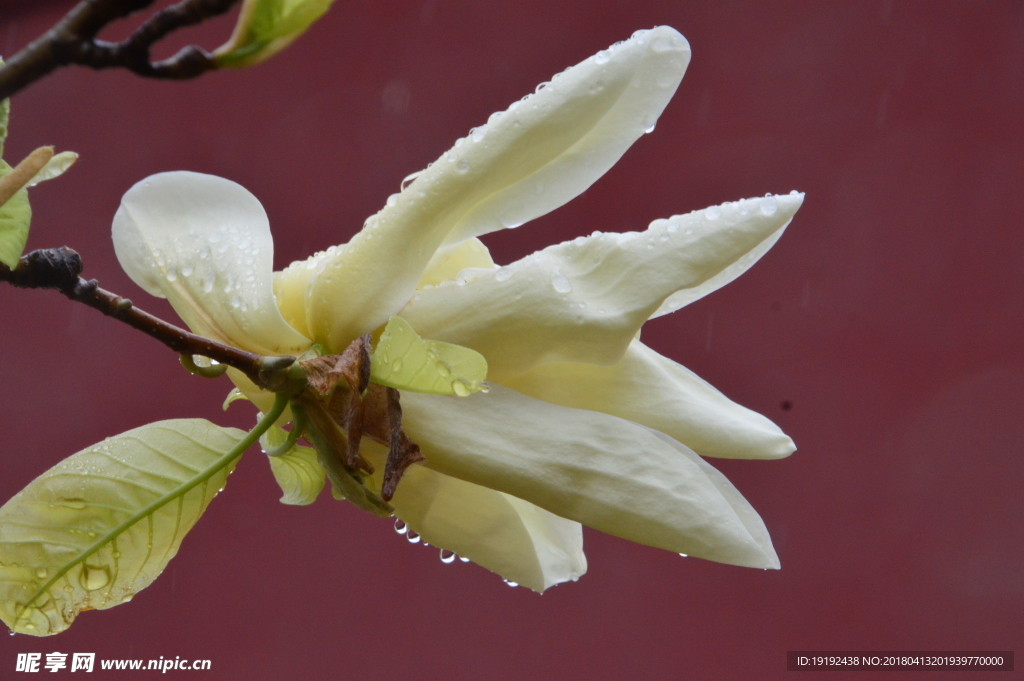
(527, 161)
(517, 540)
(681, 299)
(655, 391)
(584, 300)
(448, 262)
(204, 243)
(611, 474)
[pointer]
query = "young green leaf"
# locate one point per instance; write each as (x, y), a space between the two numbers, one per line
(265, 27)
(5, 113)
(405, 361)
(15, 217)
(100, 526)
(55, 167)
(298, 473)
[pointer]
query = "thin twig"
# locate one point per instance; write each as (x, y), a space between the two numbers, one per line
(73, 41)
(59, 269)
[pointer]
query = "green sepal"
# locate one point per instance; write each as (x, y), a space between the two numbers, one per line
(405, 361)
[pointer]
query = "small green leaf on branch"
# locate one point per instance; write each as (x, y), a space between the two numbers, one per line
(265, 27)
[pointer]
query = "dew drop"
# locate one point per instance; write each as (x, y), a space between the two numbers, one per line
(602, 57)
(41, 573)
(397, 365)
(477, 134)
(511, 583)
(684, 555)
(171, 275)
(409, 179)
(664, 43)
(400, 527)
(673, 227)
(392, 200)
(713, 213)
(596, 87)
(187, 269)
(94, 577)
(462, 167)
(504, 274)
(650, 128)
(447, 557)
(443, 368)
(769, 205)
(463, 559)
(560, 282)
(413, 537)
(236, 302)
(460, 388)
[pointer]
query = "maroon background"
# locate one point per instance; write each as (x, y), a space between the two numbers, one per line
(889, 316)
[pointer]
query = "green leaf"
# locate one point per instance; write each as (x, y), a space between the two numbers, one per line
(405, 361)
(5, 114)
(15, 218)
(298, 473)
(100, 526)
(55, 167)
(265, 27)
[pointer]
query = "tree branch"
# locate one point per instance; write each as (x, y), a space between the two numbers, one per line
(59, 269)
(73, 41)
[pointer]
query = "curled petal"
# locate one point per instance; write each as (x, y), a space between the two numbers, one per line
(448, 262)
(204, 243)
(519, 541)
(525, 162)
(584, 300)
(655, 391)
(613, 475)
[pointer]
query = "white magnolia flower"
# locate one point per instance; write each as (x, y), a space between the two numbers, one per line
(584, 423)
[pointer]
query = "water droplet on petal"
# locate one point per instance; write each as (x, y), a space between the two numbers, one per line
(769, 205)
(504, 274)
(447, 557)
(511, 583)
(602, 57)
(460, 388)
(462, 167)
(401, 527)
(413, 537)
(187, 269)
(463, 559)
(443, 368)
(560, 282)
(684, 555)
(713, 213)
(650, 128)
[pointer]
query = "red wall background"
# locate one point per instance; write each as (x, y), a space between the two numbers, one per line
(889, 316)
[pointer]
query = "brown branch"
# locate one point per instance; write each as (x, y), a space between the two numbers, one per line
(73, 41)
(59, 269)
